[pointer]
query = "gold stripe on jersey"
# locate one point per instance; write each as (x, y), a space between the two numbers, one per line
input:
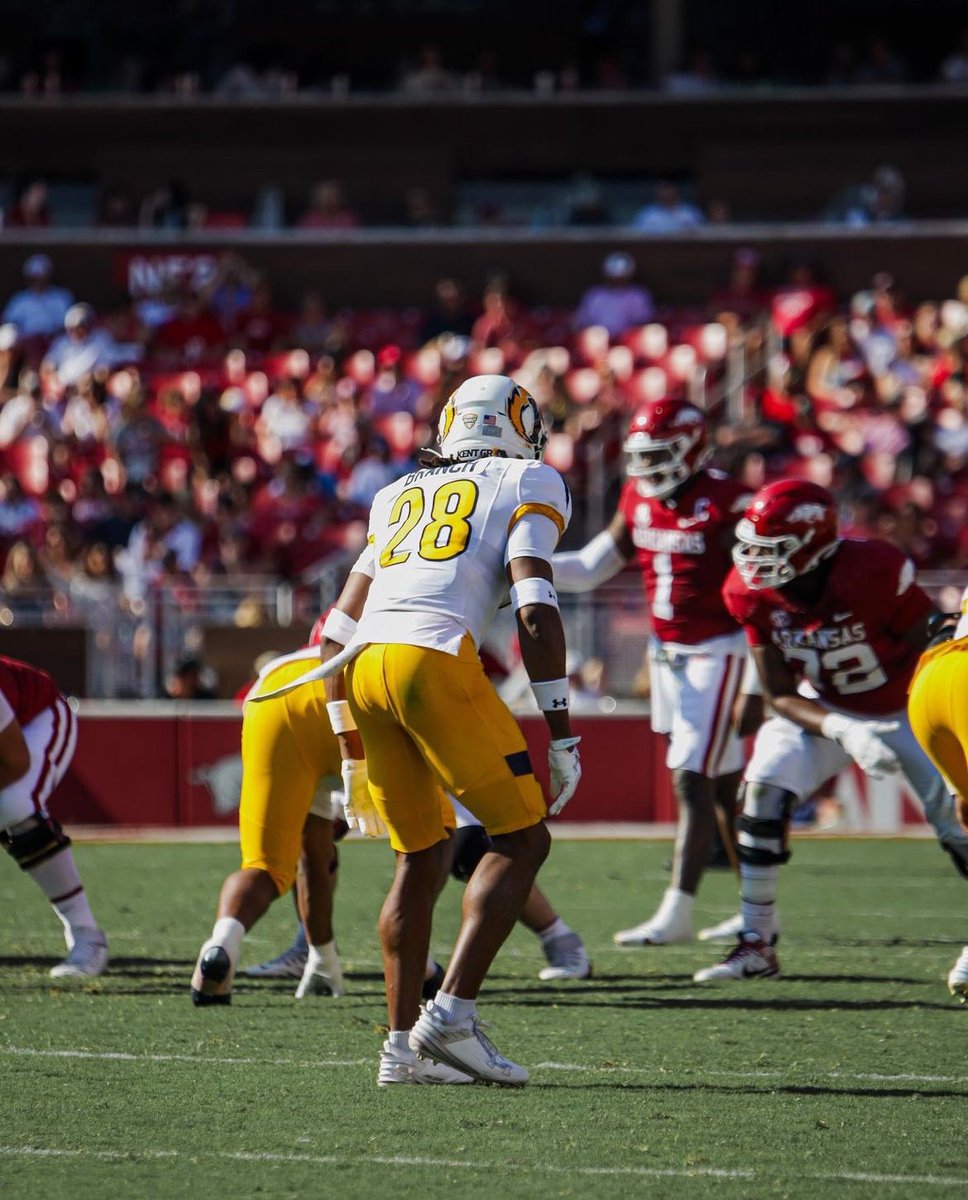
(545, 510)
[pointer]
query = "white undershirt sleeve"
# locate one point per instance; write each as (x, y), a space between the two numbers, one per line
(585, 569)
(532, 536)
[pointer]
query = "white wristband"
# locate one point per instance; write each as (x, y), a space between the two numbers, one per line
(338, 627)
(340, 716)
(533, 590)
(551, 694)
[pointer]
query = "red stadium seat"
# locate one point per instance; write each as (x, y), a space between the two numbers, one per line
(583, 384)
(648, 343)
(291, 364)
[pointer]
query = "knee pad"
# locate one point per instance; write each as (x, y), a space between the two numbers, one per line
(761, 830)
(471, 843)
(34, 841)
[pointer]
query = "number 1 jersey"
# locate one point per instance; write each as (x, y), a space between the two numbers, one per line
(439, 541)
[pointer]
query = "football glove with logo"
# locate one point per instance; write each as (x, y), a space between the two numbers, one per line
(862, 742)
(565, 769)
(358, 806)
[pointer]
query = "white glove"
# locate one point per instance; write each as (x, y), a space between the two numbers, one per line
(565, 767)
(358, 807)
(861, 741)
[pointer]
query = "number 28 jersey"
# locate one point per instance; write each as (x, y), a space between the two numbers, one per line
(850, 645)
(683, 551)
(438, 544)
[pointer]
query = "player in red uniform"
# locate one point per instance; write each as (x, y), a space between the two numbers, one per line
(38, 734)
(836, 629)
(676, 518)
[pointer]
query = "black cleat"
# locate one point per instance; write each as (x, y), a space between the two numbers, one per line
(200, 1000)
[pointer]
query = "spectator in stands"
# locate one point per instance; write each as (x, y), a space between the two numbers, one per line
(419, 210)
(954, 66)
(20, 514)
(22, 411)
(139, 442)
(117, 209)
(372, 471)
(697, 77)
(877, 202)
(192, 680)
(667, 212)
(315, 331)
(81, 348)
(285, 422)
(618, 302)
(327, 209)
(429, 77)
(259, 327)
(38, 310)
(31, 209)
(94, 588)
(744, 298)
(802, 300)
(503, 323)
(391, 390)
(166, 207)
(585, 202)
(882, 64)
(449, 314)
(25, 582)
(193, 335)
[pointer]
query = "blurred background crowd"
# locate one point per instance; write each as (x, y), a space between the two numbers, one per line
(245, 257)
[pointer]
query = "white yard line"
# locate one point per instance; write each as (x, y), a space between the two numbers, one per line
(565, 1067)
(459, 1164)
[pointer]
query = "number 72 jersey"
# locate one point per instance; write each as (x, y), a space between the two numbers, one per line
(850, 645)
(439, 541)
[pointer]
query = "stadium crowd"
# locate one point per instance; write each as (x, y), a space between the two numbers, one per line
(206, 433)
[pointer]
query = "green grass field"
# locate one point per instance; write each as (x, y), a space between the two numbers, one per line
(843, 1078)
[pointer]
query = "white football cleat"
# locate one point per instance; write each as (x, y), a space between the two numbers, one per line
(751, 958)
(464, 1047)
(290, 964)
(566, 958)
(655, 932)
(958, 977)
(323, 975)
(87, 957)
(403, 1066)
(726, 931)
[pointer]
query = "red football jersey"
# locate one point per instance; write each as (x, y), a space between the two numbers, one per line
(850, 645)
(28, 690)
(683, 548)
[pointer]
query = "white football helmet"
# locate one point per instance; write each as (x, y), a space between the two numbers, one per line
(491, 416)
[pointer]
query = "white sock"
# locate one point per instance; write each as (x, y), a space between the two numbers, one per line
(228, 933)
(323, 955)
(399, 1039)
(758, 886)
(454, 1010)
(555, 929)
(60, 882)
(676, 905)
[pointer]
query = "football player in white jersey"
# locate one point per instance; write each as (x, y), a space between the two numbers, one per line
(445, 545)
(938, 708)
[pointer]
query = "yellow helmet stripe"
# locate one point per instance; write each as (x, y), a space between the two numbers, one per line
(447, 418)
(545, 510)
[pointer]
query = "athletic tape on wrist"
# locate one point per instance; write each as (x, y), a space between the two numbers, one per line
(551, 694)
(340, 716)
(533, 590)
(338, 627)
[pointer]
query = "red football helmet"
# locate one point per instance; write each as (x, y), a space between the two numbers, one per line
(666, 443)
(316, 633)
(789, 528)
